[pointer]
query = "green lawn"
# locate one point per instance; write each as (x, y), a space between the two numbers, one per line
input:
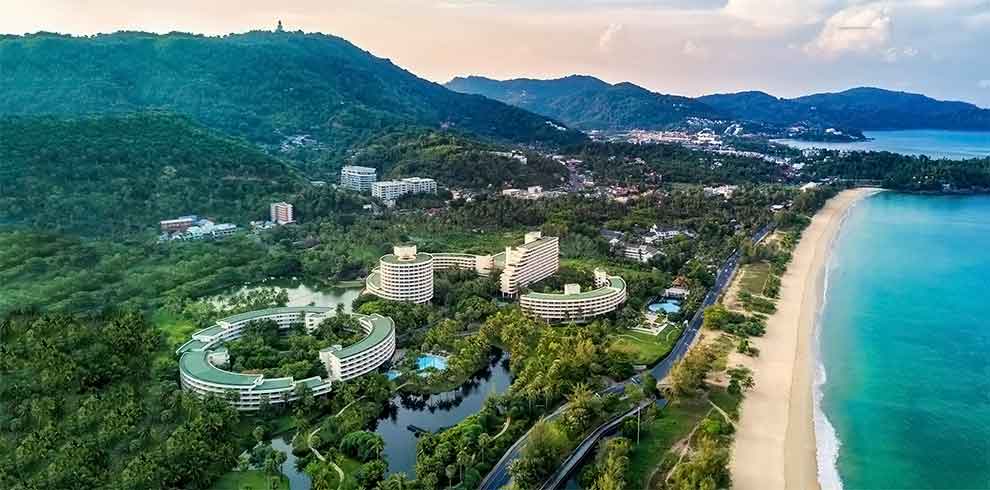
(177, 330)
(645, 348)
(754, 278)
(251, 480)
(675, 423)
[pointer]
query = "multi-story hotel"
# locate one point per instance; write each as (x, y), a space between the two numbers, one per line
(403, 275)
(202, 357)
(407, 275)
(575, 305)
(358, 178)
(344, 363)
(536, 259)
(281, 213)
(389, 190)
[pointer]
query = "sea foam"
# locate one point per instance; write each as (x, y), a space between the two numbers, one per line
(826, 438)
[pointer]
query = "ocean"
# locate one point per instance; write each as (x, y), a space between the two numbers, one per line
(954, 145)
(903, 387)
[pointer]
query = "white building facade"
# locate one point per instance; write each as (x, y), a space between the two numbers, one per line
(357, 178)
(404, 275)
(536, 259)
(575, 305)
(390, 190)
(203, 357)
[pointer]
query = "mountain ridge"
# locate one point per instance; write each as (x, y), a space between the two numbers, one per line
(860, 108)
(587, 102)
(260, 85)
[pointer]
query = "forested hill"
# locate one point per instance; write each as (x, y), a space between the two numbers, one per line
(863, 108)
(119, 174)
(265, 86)
(589, 103)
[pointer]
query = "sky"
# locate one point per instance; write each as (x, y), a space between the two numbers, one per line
(690, 47)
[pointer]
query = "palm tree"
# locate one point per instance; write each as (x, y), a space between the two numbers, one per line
(484, 440)
(451, 472)
(463, 459)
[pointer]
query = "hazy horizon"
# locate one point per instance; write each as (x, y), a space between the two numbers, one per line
(783, 47)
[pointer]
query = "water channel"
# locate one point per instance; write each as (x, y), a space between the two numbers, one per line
(431, 413)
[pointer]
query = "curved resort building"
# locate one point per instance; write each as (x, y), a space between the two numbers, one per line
(202, 358)
(403, 275)
(575, 305)
(536, 259)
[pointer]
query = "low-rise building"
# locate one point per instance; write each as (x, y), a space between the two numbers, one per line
(180, 224)
(357, 178)
(640, 253)
(390, 190)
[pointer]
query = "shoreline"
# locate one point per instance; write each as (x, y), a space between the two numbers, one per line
(775, 444)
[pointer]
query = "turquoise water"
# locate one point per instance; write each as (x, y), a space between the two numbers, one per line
(667, 306)
(956, 145)
(905, 344)
(426, 361)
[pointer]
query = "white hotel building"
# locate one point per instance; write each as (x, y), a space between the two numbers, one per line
(575, 305)
(536, 259)
(390, 190)
(357, 178)
(202, 358)
(403, 275)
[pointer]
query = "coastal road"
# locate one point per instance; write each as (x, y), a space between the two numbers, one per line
(499, 476)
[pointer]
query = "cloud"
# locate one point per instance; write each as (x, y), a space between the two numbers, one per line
(695, 50)
(893, 55)
(779, 13)
(607, 37)
(985, 84)
(857, 29)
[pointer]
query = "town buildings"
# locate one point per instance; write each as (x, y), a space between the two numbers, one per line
(390, 190)
(194, 228)
(357, 178)
(180, 224)
(281, 213)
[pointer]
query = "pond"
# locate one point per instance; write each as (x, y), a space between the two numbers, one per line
(436, 412)
(301, 294)
(298, 480)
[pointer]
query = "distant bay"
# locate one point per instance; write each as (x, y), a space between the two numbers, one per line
(953, 145)
(904, 347)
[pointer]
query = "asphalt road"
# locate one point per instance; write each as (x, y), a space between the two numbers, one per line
(499, 476)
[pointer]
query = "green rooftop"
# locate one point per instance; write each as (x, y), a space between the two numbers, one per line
(381, 328)
(615, 283)
(250, 315)
(275, 384)
(196, 365)
(420, 258)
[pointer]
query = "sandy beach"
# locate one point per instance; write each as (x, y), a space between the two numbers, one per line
(774, 446)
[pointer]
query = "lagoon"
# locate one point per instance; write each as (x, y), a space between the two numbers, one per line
(904, 346)
(953, 145)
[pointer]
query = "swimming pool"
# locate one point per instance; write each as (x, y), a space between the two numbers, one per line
(668, 306)
(426, 361)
